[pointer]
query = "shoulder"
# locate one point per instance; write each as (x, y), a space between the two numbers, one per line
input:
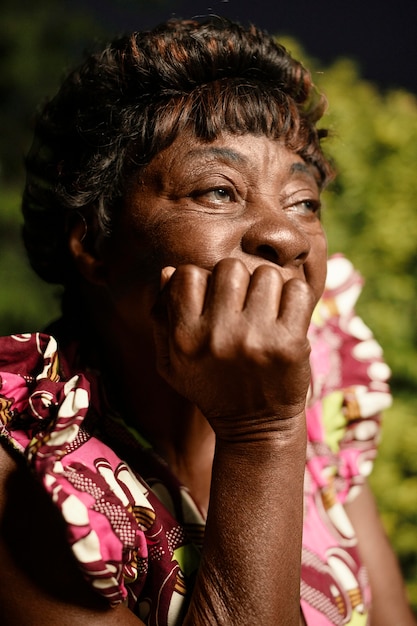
(24, 359)
(32, 546)
(71, 480)
(40, 580)
(25, 354)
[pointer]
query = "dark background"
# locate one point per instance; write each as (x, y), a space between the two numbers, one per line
(380, 35)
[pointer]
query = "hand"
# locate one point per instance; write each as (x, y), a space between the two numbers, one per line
(235, 344)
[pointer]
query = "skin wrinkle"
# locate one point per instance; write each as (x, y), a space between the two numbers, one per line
(169, 185)
(218, 153)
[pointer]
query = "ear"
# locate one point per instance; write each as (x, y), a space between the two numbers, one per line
(81, 248)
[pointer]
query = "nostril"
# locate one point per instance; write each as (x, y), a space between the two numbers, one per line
(301, 257)
(268, 253)
(280, 240)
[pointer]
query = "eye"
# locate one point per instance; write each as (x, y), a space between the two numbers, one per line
(306, 207)
(216, 195)
(219, 195)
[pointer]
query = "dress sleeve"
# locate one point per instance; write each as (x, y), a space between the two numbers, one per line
(349, 381)
(128, 544)
(105, 507)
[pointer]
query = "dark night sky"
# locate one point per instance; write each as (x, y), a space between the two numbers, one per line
(381, 35)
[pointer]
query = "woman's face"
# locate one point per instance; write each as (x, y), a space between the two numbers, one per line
(246, 197)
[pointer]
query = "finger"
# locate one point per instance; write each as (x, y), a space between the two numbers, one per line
(186, 293)
(166, 274)
(296, 306)
(159, 309)
(227, 288)
(264, 293)
(177, 314)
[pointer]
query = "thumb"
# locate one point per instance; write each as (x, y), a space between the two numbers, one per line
(166, 274)
(161, 324)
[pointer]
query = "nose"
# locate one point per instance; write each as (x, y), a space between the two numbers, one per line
(279, 240)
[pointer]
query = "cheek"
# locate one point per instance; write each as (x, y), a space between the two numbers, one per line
(316, 265)
(131, 264)
(198, 242)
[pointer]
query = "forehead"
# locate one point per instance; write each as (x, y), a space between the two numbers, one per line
(247, 153)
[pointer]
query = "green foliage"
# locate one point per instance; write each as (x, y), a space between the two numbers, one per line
(26, 302)
(370, 209)
(39, 41)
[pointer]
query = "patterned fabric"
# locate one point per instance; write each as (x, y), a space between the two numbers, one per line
(348, 391)
(134, 530)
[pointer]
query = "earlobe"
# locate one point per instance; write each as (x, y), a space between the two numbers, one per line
(90, 266)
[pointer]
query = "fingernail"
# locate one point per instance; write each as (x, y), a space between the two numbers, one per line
(166, 274)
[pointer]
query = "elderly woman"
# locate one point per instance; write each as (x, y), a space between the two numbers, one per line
(154, 459)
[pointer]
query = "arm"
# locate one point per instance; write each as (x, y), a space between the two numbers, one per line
(389, 602)
(250, 571)
(40, 583)
(236, 345)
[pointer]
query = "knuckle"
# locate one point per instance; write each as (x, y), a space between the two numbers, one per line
(268, 273)
(183, 273)
(220, 346)
(230, 265)
(302, 289)
(184, 342)
(296, 351)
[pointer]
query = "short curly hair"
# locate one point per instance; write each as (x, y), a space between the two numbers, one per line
(129, 101)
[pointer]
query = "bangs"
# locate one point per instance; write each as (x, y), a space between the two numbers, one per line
(236, 107)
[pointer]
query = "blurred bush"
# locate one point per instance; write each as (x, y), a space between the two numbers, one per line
(370, 210)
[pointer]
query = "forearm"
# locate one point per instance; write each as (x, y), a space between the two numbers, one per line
(250, 572)
(234, 343)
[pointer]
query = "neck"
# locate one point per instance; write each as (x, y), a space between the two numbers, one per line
(177, 430)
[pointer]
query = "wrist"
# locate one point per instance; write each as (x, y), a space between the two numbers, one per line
(266, 449)
(283, 426)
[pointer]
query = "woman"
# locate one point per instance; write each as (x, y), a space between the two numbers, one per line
(174, 190)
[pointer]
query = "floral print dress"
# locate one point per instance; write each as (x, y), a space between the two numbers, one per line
(135, 530)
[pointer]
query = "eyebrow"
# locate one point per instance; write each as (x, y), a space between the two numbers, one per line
(301, 167)
(231, 155)
(224, 153)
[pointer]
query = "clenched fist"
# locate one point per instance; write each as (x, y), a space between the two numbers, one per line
(235, 344)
